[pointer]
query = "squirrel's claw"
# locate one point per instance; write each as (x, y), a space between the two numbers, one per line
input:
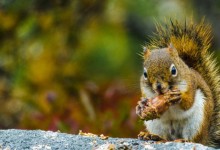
(173, 96)
(175, 100)
(181, 140)
(147, 136)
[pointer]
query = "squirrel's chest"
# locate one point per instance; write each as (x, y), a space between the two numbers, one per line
(177, 123)
(170, 130)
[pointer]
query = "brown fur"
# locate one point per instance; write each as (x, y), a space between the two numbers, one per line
(204, 135)
(192, 42)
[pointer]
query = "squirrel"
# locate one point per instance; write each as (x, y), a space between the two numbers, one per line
(178, 58)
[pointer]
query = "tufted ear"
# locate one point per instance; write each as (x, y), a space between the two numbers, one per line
(146, 52)
(172, 50)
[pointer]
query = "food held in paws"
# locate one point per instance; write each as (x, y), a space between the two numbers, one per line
(154, 108)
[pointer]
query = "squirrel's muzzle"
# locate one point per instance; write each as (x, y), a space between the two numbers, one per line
(160, 88)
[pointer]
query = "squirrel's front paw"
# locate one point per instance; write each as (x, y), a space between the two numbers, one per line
(173, 97)
(148, 136)
(181, 140)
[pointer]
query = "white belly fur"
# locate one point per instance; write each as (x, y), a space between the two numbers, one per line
(176, 123)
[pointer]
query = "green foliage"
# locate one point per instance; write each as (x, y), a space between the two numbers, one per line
(67, 67)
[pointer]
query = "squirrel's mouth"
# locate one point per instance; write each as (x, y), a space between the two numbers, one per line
(161, 91)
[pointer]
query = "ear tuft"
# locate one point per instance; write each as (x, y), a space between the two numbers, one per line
(172, 50)
(171, 46)
(146, 52)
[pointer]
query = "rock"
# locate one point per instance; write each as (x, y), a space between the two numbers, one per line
(47, 140)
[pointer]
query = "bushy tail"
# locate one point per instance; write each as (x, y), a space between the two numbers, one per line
(192, 42)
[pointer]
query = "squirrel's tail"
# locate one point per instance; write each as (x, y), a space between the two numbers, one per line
(192, 42)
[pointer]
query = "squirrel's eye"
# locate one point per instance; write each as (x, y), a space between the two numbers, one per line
(173, 70)
(145, 73)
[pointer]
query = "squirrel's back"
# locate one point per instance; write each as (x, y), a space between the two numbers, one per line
(192, 42)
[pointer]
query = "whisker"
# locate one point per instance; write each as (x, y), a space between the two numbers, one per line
(178, 84)
(141, 54)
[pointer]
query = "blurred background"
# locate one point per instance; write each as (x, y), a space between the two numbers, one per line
(74, 65)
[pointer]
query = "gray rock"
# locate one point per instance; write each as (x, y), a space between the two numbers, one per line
(47, 140)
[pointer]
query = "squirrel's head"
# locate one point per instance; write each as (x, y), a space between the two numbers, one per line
(161, 69)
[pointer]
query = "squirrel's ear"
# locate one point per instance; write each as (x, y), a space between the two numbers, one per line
(146, 52)
(172, 50)
(171, 45)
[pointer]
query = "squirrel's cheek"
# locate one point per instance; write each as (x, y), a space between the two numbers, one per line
(154, 86)
(147, 92)
(182, 86)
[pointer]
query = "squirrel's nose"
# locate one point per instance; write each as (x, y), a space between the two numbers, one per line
(159, 87)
